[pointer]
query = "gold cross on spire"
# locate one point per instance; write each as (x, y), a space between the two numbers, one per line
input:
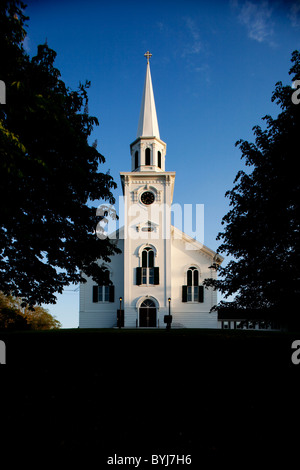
(148, 55)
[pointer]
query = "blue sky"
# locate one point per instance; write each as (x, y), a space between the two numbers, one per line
(214, 67)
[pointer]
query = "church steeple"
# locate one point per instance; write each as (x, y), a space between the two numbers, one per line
(148, 124)
(148, 151)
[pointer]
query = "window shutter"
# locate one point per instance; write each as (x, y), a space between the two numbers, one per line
(95, 293)
(184, 293)
(156, 276)
(111, 293)
(201, 294)
(138, 276)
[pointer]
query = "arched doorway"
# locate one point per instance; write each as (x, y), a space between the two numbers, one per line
(147, 313)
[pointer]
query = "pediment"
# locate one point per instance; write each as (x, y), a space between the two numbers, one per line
(193, 244)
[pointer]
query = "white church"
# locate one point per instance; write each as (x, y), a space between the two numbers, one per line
(160, 270)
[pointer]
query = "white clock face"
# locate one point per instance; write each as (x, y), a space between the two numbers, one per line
(147, 197)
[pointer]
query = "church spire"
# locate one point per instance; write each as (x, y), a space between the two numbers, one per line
(148, 151)
(148, 124)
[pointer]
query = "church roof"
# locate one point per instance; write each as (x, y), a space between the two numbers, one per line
(178, 234)
(148, 124)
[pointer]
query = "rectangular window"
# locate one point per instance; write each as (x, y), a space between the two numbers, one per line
(106, 293)
(103, 293)
(196, 293)
(100, 294)
(151, 275)
(148, 276)
(192, 293)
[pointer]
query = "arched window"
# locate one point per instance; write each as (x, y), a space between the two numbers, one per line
(192, 284)
(192, 292)
(159, 159)
(148, 266)
(147, 273)
(136, 160)
(148, 303)
(147, 156)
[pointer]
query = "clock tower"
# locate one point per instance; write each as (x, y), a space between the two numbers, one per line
(148, 194)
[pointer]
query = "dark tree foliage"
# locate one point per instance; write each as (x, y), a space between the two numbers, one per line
(15, 317)
(262, 227)
(48, 173)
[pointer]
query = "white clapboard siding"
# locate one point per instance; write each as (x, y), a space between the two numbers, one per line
(98, 319)
(102, 314)
(196, 319)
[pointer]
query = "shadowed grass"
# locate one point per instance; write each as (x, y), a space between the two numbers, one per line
(219, 395)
